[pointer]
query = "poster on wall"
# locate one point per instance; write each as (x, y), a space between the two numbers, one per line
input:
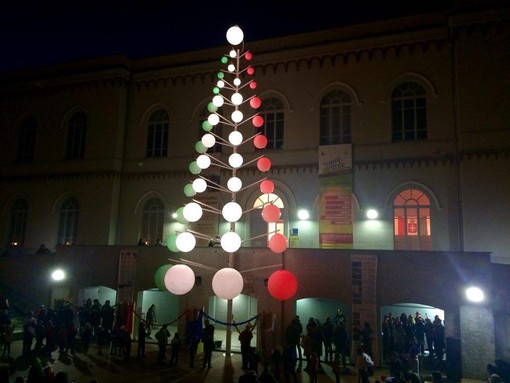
(126, 276)
(364, 302)
(335, 190)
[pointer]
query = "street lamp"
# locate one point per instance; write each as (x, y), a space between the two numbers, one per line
(475, 294)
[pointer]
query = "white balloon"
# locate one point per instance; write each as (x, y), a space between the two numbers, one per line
(235, 35)
(185, 242)
(179, 279)
(203, 161)
(199, 185)
(227, 283)
(230, 242)
(234, 184)
(235, 137)
(235, 160)
(232, 212)
(192, 212)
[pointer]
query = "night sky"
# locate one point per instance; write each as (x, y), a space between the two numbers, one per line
(37, 33)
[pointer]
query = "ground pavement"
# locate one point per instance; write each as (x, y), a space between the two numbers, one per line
(83, 368)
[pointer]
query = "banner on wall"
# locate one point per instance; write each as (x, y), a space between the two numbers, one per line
(126, 276)
(364, 299)
(335, 201)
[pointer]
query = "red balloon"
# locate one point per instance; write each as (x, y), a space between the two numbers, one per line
(255, 102)
(266, 186)
(260, 141)
(282, 285)
(271, 213)
(248, 56)
(253, 85)
(278, 243)
(264, 164)
(257, 121)
(250, 71)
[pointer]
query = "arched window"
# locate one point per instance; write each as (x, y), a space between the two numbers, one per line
(18, 222)
(411, 215)
(68, 222)
(26, 140)
(335, 118)
(408, 112)
(261, 227)
(216, 131)
(157, 134)
(76, 135)
(153, 215)
(271, 111)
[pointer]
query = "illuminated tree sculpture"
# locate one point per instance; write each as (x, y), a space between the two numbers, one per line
(234, 107)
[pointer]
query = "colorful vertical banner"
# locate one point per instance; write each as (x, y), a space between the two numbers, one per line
(335, 201)
(364, 299)
(126, 276)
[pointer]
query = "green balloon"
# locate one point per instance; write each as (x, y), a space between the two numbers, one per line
(221, 75)
(224, 60)
(216, 90)
(159, 277)
(200, 148)
(206, 125)
(193, 168)
(211, 107)
(180, 216)
(170, 242)
(188, 190)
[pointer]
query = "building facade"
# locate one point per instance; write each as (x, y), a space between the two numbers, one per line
(95, 154)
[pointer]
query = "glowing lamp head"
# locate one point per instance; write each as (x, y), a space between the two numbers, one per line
(185, 242)
(235, 138)
(260, 141)
(227, 283)
(234, 184)
(271, 213)
(232, 212)
(218, 100)
(257, 121)
(372, 214)
(230, 242)
(235, 35)
(282, 285)
(235, 160)
(255, 102)
(236, 98)
(264, 164)
(179, 279)
(199, 185)
(192, 212)
(203, 161)
(208, 140)
(58, 275)
(159, 276)
(188, 190)
(170, 243)
(278, 243)
(237, 116)
(267, 186)
(213, 119)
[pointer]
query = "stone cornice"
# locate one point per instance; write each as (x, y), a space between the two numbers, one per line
(309, 168)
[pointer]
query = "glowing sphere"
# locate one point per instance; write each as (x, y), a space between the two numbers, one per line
(260, 141)
(282, 285)
(230, 242)
(185, 242)
(208, 140)
(217, 100)
(213, 119)
(192, 212)
(159, 277)
(232, 212)
(235, 35)
(235, 137)
(253, 85)
(206, 126)
(180, 215)
(235, 160)
(200, 148)
(257, 121)
(203, 161)
(179, 279)
(237, 81)
(193, 168)
(220, 84)
(188, 190)
(233, 53)
(211, 107)
(267, 186)
(255, 102)
(271, 213)
(236, 98)
(199, 185)
(170, 243)
(237, 116)
(58, 275)
(250, 71)
(248, 56)
(278, 243)
(227, 283)
(264, 164)
(234, 184)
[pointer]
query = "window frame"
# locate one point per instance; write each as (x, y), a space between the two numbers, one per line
(152, 220)
(26, 140)
(408, 112)
(158, 126)
(18, 222)
(412, 220)
(76, 136)
(69, 214)
(335, 118)
(273, 113)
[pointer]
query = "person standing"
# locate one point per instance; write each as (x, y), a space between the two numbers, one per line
(208, 340)
(175, 344)
(362, 363)
(142, 333)
(150, 318)
(162, 337)
(245, 338)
